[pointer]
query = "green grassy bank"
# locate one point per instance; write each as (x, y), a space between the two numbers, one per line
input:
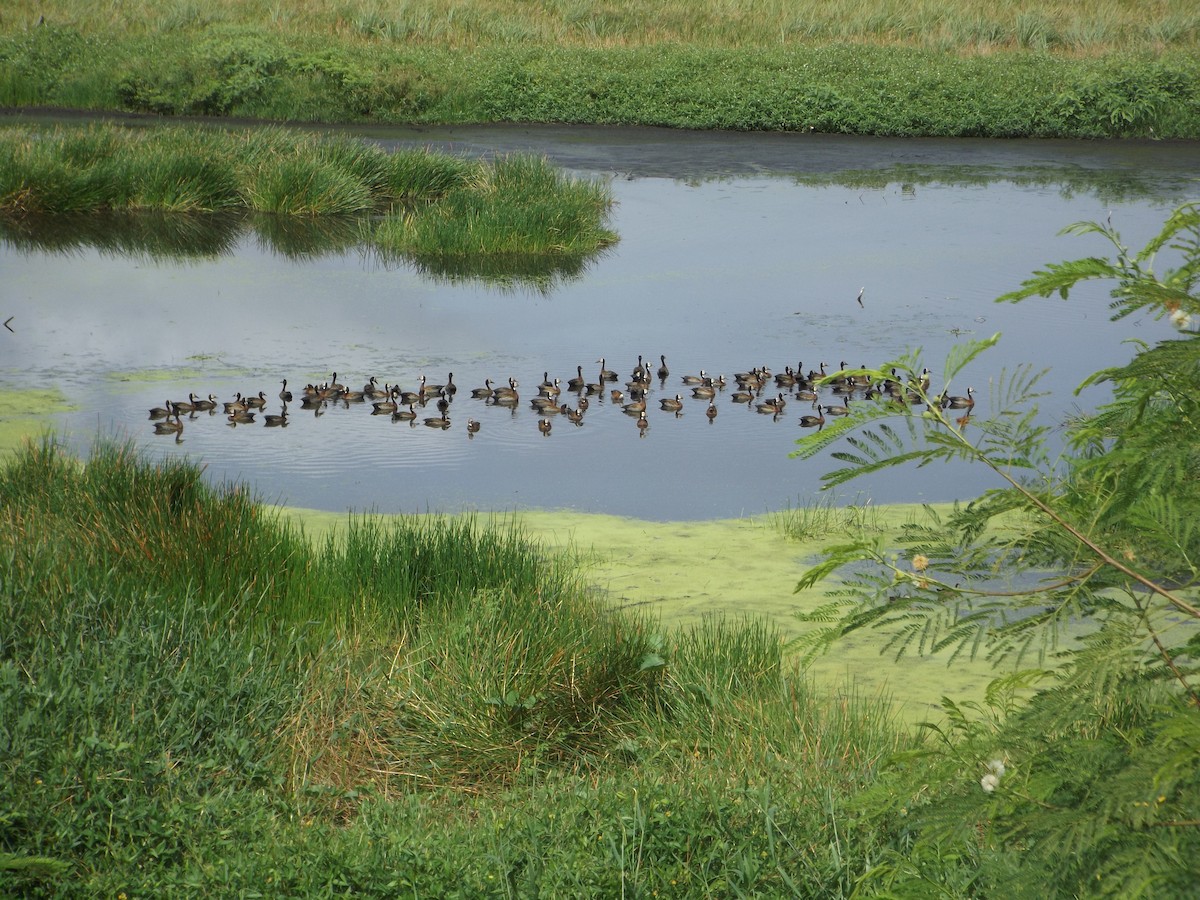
(193, 693)
(874, 82)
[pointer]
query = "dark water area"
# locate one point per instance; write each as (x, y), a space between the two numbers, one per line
(736, 250)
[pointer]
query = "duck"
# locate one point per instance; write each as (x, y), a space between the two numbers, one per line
(276, 421)
(184, 405)
(672, 404)
(162, 412)
(617, 396)
(472, 427)
(235, 405)
(635, 406)
(578, 382)
(583, 403)
(404, 415)
(642, 423)
(772, 406)
(967, 402)
(352, 396)
(438, 422)
(839, 410)
(663, 371)
(204, 404)
(575, 415)
(284, 394)
(169, 427)
(544, 426)
(258, 402)
(241, 417)
(743, 396)
(373, 390)
(605, 373)
(704, 392)
(711, 412)
(450, 387)
(702, 378)
(483, 393)
(334, 385)
(810, 421)
(383, 407)
(550, 389)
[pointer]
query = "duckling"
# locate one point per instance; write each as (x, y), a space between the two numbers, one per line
(663, 371)
(404, 415)
(672, 404)
(544, 426)
(285, 395)
(484, 392)
(711, 412)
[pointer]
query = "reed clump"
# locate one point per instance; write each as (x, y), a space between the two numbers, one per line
(409, 202)
(193, 693)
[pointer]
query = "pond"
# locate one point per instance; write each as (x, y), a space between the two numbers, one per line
(735, 251)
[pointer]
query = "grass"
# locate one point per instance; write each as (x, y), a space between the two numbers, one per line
(408, 203)
(1102, 70)
(194, 693)
(1089, 26)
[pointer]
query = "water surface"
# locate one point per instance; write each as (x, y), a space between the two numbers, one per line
(736, 251)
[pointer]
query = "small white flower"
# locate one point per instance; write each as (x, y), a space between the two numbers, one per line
(1181, 319)
(996, 767)
(988, 782)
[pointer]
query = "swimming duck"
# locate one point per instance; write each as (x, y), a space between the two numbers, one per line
(256, 402)
(285, 395)
(967, 402)
(484, 392)
(204, 404)
(810, 421)
(404, 415)
(383, 407)
(162, 412)
(235, 405)
(276, 421)
(672, 404)
(472, 427)
(169, 427)
(702, 378)
(241, 417)
(605, 373)
(544, 426)
(438, 422)
(663, 371)
(578, 382)
(711, 412)
(635, 406)
(839, 410)
(642, 423)
(704, 392)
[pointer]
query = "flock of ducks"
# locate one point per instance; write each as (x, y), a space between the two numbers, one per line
(759, 389)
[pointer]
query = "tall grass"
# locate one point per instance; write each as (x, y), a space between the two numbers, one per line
(195, 697)
(972, 24)
(409, 202)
